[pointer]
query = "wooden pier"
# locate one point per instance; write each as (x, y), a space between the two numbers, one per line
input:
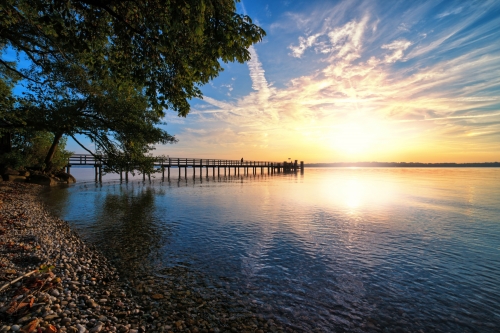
(218, 167)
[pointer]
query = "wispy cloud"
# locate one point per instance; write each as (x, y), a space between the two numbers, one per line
(450, 12)
(374, 77)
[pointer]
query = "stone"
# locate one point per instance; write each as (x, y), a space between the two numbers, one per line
(42, 180)
(97, 327)
(50, 317)
(55, 292)
(80, 328)
(157, 296)
(15, 328)
(65, 321)
(66, 177)
(13, 178)
(24, 319)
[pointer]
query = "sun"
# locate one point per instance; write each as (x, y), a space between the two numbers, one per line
(353, 138)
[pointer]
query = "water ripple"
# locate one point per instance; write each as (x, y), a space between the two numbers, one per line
(360, 250)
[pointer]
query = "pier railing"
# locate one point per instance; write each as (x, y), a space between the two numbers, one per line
(98, 161)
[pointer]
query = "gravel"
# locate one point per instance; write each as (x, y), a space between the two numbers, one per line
(76, 288)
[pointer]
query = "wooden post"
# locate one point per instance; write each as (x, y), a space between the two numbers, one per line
(162, 172)
(121, 176)
(100, 174)
(95, 169)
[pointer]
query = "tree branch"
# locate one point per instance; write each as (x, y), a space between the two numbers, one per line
(112, 13)
(6, 65)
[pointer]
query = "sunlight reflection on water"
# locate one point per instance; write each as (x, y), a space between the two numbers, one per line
(335, 249)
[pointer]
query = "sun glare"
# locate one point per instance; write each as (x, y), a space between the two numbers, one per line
(353, 138)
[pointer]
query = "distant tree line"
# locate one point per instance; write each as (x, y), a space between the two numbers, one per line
(109, 70)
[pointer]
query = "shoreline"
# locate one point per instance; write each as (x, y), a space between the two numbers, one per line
(81, 293)
(84, 291)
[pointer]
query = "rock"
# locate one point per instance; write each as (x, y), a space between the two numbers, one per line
(13, 178)
(80, 328)
(24, 319)
(15, 328)
(66, 177)
(157, 296)
(42, 180)
(65, 321)
(50, 317)
(97, 327)
(55, 292)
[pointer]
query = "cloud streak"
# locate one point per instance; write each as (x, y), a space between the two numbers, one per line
(373, 77)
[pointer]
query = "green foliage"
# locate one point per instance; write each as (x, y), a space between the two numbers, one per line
(29, 150)
(109, 69)
(167, 47)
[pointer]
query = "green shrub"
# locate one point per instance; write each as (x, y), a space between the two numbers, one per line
(29, 149)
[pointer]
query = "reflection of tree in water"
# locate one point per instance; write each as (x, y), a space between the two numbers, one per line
(56, 199)
(127, 230)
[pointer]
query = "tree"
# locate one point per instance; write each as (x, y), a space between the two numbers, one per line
(108, 69)
(29, 151)
(114, 115)
(167, 47)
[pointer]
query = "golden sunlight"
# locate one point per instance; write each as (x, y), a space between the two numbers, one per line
(354, 138)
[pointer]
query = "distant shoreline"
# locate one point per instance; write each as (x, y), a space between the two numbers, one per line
(404, 165)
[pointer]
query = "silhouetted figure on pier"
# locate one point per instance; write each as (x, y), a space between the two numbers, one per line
(242, 160)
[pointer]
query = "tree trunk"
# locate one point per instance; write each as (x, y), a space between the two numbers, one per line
(52, 151)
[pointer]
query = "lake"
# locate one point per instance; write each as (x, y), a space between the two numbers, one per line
(334, 249)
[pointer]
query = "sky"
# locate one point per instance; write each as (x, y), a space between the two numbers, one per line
(348, 81)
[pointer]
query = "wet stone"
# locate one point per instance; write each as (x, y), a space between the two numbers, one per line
(93, 295)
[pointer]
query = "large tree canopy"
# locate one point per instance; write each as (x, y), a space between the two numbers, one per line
(108, 69)
(166, 46)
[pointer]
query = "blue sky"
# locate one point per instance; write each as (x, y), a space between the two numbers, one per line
(355, 81)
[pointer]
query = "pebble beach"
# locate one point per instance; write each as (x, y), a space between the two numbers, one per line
(53, 281)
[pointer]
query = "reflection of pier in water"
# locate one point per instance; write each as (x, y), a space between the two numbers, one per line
(219, 167)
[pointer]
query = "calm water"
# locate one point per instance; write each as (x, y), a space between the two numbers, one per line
(333, 249)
